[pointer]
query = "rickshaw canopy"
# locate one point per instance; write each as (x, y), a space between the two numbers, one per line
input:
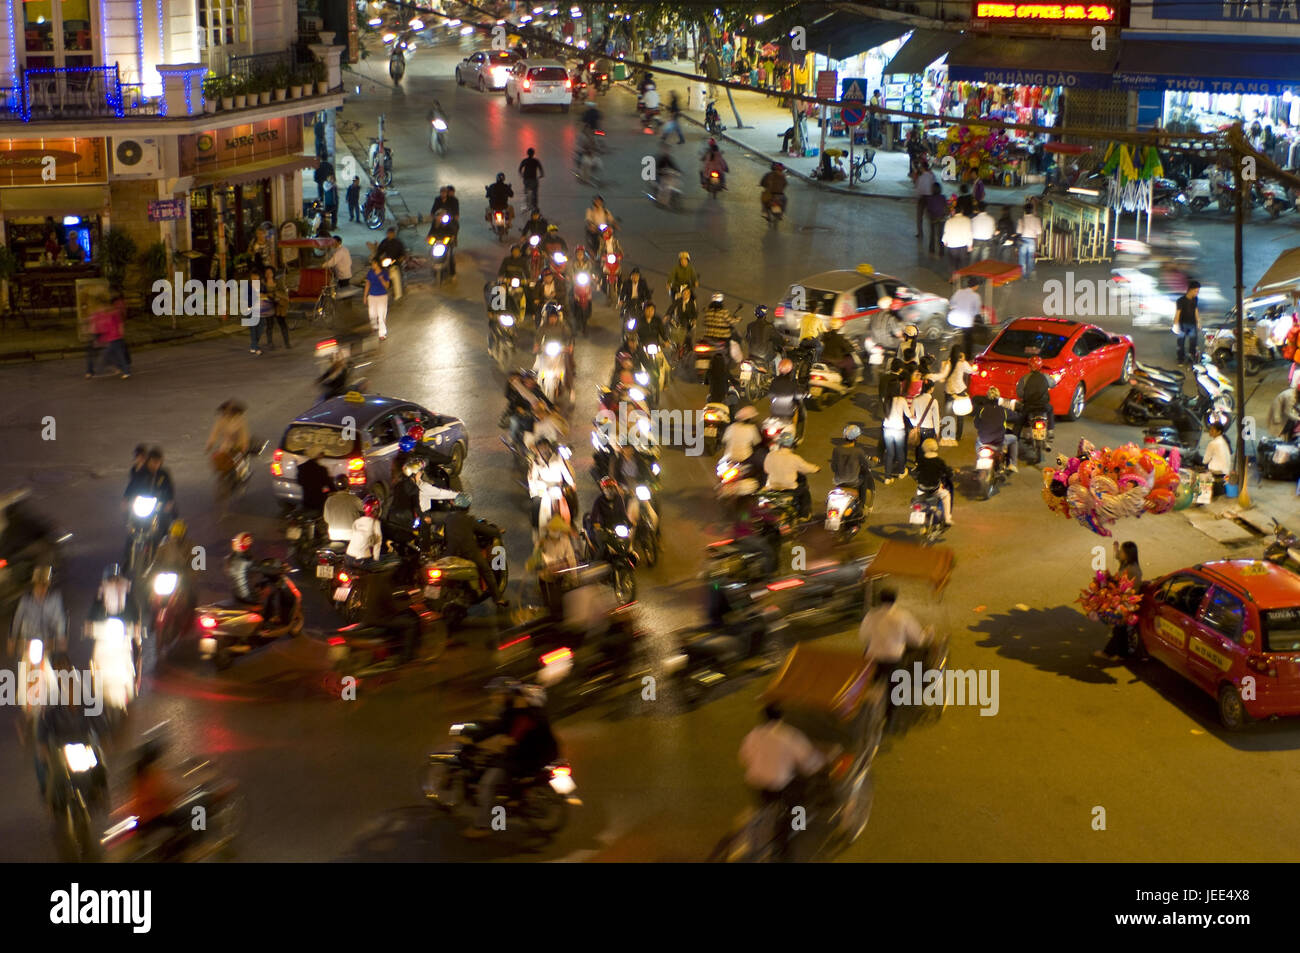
(998, 272)
(931, 564)
(826, 681)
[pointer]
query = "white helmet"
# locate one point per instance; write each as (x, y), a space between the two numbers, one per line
(909, 332)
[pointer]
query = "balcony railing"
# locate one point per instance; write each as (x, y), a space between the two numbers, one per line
(254, 63)
(88, 92)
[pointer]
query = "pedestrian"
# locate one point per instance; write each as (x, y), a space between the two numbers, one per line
(279, 299)
(108, 328)
(86, 331)
(924, 186)
(957, 239)
(531, 171)
(873, 124)
(936, 209)
(674, 123)
(899, 415)
(1187, 323)
(1030, 231)
(354, 199)
(323, 171)
(982, 230)
(1284, 412)
(1126, 554)
(340, 262)
(331, 202)
(1005, 237)
(964, 310)
(377, 297)
(923, 413)
(257, 320)
(259, 251)
(954, 376)
(1218, 458)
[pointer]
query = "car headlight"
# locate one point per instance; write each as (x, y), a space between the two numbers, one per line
(143, 506)
(164, 584)
(507, 320)
(79, 757)
(643, 493)
(621, 531)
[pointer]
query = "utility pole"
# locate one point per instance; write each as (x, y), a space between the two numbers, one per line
(1239, 404)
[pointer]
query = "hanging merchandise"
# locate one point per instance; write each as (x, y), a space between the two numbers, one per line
(977, 152)
(1130, 185)
(1099, 487)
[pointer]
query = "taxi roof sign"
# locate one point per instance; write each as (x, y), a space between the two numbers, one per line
(865, 269)
(355, 397)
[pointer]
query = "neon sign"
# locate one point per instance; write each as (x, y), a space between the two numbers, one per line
(1075, 12)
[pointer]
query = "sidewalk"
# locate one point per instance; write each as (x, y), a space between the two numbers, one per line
(51, 338)
(765, 123)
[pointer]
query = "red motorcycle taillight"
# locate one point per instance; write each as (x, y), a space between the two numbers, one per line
(357, 471)
(276, 468)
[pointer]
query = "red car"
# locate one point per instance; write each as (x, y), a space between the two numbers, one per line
(1233, 628)
(1080, 359)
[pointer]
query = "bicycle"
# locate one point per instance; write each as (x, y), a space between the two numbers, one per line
(864, 168)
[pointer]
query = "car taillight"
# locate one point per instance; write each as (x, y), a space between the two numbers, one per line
(527, 85)
(513, 642)
(568, 84)
(276, 468)
(702, 348)
(357, 471)
(207, 622)
(784, 584)
(433, 575)
(1262, 665)
(337, 640)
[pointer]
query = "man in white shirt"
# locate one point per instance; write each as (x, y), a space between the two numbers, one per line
(773, 755)
(342, 509)
(957, 240)
(964, 309)
(1030, 230)
(1218, 458)
(367, 540)
(340, 261)
(924, 186)
(982, 229)
(888, 631)
(784, 468)
(742, 436)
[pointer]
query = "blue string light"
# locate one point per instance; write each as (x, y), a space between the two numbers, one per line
(139, 38)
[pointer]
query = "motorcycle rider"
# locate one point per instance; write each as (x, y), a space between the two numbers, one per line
(991, 423)
(155, 795)
(786, 470)
(460, 540)
(342, 509)
(447, 232)
(742, 436)
(713, 161)
(116, 670)
(773, 185)
(176, 554)
(785, 396)
(777, 757)
(315, 482)
(366, 538)
(548, 469)
(667, 174)
(634, 292)
(334, 380)
(681, 317)
(39, 615)
(838, 351)
(154, 481)
(536, 225)
(610, 509)
(553, 554)
(266, 592)
(762, 340)
(228, 438)
(718, 323)
(911, 352)
(514, 265)
(403, 515)
(887, 631)
(520, 741)
(933, 474)
(1034, 391)
(851, 466)
(499, 194)
(597, 215)
(683, 276)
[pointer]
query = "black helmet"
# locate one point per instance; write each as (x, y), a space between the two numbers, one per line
(501, 176)
(760, 312)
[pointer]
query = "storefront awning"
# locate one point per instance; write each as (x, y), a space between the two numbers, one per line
(1282, 277)
(1208, 68)
(843, 35)
(54, 200)
(922, 48)
(253, 171)
(1013, 61)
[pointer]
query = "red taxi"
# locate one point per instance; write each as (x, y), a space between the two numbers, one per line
(1233, 628)
(1079, 359)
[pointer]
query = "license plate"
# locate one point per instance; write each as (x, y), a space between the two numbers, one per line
(342, 592)
(710, 431)
(877, 358)
(832, 523)
(433, 592)
(917, 518)
(745, 374)
(325, 572)
(984, 463)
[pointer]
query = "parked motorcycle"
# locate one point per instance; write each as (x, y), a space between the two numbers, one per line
(372, 212)
(381, 167)
(1284, 548)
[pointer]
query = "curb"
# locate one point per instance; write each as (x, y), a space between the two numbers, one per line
(59, 353)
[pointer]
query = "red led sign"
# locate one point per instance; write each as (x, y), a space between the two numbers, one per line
(1077, 12)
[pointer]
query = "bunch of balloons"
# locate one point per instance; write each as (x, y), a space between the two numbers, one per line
(1099, 487)
(1110, 599)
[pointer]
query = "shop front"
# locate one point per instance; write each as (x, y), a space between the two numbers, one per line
(240, 178)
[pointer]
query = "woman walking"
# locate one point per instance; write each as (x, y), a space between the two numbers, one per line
(1117, 649)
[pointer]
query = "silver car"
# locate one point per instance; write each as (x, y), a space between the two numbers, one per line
(486, 69)
(854, 297)
(358, 436)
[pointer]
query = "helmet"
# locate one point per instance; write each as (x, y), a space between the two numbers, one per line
(608, 483)
(760, 312)
(1035, 363)
(501, 176)
(340, 482)
(909, 332)
(416, 432)
(786, 366)
(786, 439)
(370, 504)
(718, 299)
(837, 323)
(930, 447)
(413, 467)
(551, 308)
(462, 501)
(406, 444)
(178, 529)
(242, 543)
(552, 228)
(994, 394)
(777, 167)
(748, 412)
(684, 254)
(557, 525)
(852, 432)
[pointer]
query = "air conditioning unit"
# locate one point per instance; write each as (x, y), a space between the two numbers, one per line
(134, 158)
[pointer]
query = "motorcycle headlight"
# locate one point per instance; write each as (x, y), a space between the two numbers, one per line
(654, 468)
(143, 506)
(565, 453)
(636, 393)
(164, 584)
(621, 531)
(387, 263)
(559, 258)
(439, 125)
(439, 250)
(35, 652)
(652, 349)
(631, 324)
(534, 240)
(583, 278)
(507, 320)
(643, 378)
(552, 348)
(643, 493)
(114, 629)
(514, 282)
(79, 757)
(611, 259)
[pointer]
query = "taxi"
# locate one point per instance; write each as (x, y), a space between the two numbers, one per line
(1231, 627)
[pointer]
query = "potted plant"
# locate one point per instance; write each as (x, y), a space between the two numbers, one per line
(8, 270)
(295, 84)
(226, 89)
(155, 263)
(280, 83)
(321, 75)
(116, 252)
(211, 93)
(239, 88)
(262, 83)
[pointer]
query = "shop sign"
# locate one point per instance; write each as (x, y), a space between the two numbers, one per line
(1017, 77)
(1049, 12)
(1200, 84)
(1236, 11)
(76, 161)
(166, 210)
(236, 145)
(827, 83)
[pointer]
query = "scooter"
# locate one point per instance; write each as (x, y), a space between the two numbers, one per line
(666, 191)
(381, 170)
(926, 513)
(619, 555)
(143, 520)
(1274, 198)
(755, 377)
(990, 468)
(438, 135)
(500, 224)
(583, 285)
(452, 584)
(752, 642)
(372, 212)
(76, 793)
(115, 665)
(774, 211)
(717, 417)
(228, 629)
(846, 511)
(206, 795)
(714, 183)
(712, 121)
(826, 383)
(396, 66)
(442, 242)
(551, 368)
(171, 612)
(1199, 194)
(1035, 434)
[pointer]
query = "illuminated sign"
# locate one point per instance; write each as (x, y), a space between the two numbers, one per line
(1070, 12)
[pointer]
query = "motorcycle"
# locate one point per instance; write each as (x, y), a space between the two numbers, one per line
(362, 650)
(774, 211)
(824, 594)
(1273, 196)
(76, 794)
(438, 135)
(1199, 194)
(115, 665)
(583, 281)
(171, 610)
(645, 542)
(27, 540)
(717, 417)
(372, 211)
(142, 529)
(1284, 550)
(208, 795)
(556, 499)
(304, 531)
(615, 544)
(826, 382)
(740, 478)
(1215, 392)
(502, 339)
(1036, 435)
(714, 183)
(712, 121)
(541, 802)
(551, 369)
(926, 513)
(500, 224)
(752, 642)
(1167, 201)
(991, 467)
(452, 584)
(396, 66)
(441, 242)
(705, 349)
(611, 263)
(666, 191)
(380, 164)
(228, 629)
(846, 512)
